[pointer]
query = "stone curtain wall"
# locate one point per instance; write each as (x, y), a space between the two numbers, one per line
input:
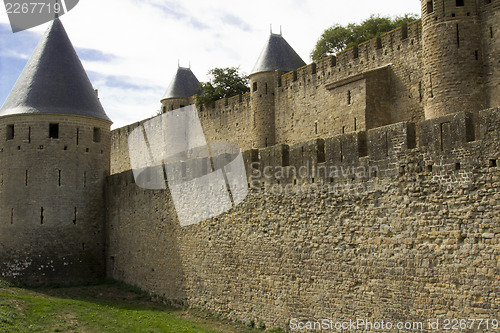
(319, 92)
(490, 30)
(414, 238)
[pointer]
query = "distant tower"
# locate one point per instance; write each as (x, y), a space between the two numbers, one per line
(54, 158)
(183, 85)
(452, 57)
(277, 55)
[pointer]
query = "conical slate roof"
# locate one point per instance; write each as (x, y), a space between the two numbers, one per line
(183, 85)
(277, 55)
(54, 81)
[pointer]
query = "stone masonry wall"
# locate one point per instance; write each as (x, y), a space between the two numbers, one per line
(52, 220)
(399, 223)
(332, 94)
(490, 29)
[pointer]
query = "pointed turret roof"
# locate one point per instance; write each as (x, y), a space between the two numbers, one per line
(54, 81)
(277, 55)
(183, 85)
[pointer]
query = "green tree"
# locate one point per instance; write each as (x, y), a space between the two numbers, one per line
(338, 38)
(223, 82)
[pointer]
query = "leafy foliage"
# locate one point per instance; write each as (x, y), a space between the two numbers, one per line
(337, 37)
(223, 82)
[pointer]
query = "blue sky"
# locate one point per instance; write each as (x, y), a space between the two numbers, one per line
(131, 48)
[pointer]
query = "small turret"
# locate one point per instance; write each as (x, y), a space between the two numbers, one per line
(276, 57)
(183, 85)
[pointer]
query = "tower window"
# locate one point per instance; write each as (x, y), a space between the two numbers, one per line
(430, 7)
(97, 134)
(349, 97)
(10, 132)
(491, 32)
(54, 131)
(460, 3)
(254, 86)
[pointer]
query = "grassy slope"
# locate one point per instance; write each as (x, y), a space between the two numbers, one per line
(101, 308)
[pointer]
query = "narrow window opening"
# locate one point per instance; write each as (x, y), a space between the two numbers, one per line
(343, 129)
(266, 142)
(29, 134)
(54, 131)
(41, 215)
(97, 134)
(164, 109)
(74, 217)
(379, 43)
(420, 91)
(10, 132)
(402, 169)
(458, 36)
(26, 178)
(491, 32)
(404, 31)
(59, 178)
(12, 216)
(266, 88)
(83, 246)
(355, 52)
(254, 86)
(431, 90)
(341, 152)
(85, 179)
(457, 166)
(476, 53)
(77, 135)
(316, 127)
(355, 124)
(429, 168)
(348, 97)
(460, 3)
(430, 7)
(493, 163)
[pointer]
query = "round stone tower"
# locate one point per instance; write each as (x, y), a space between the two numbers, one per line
(183, 85)
(54, 158)
(276, 56)
(452, 57)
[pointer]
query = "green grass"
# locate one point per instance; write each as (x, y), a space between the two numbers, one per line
(99, 308)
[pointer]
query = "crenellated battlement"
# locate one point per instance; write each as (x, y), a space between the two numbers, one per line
(366, 56)
(446, 143)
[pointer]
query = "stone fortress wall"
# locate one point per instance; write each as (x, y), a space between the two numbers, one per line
(396, 215)
(407, 229)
